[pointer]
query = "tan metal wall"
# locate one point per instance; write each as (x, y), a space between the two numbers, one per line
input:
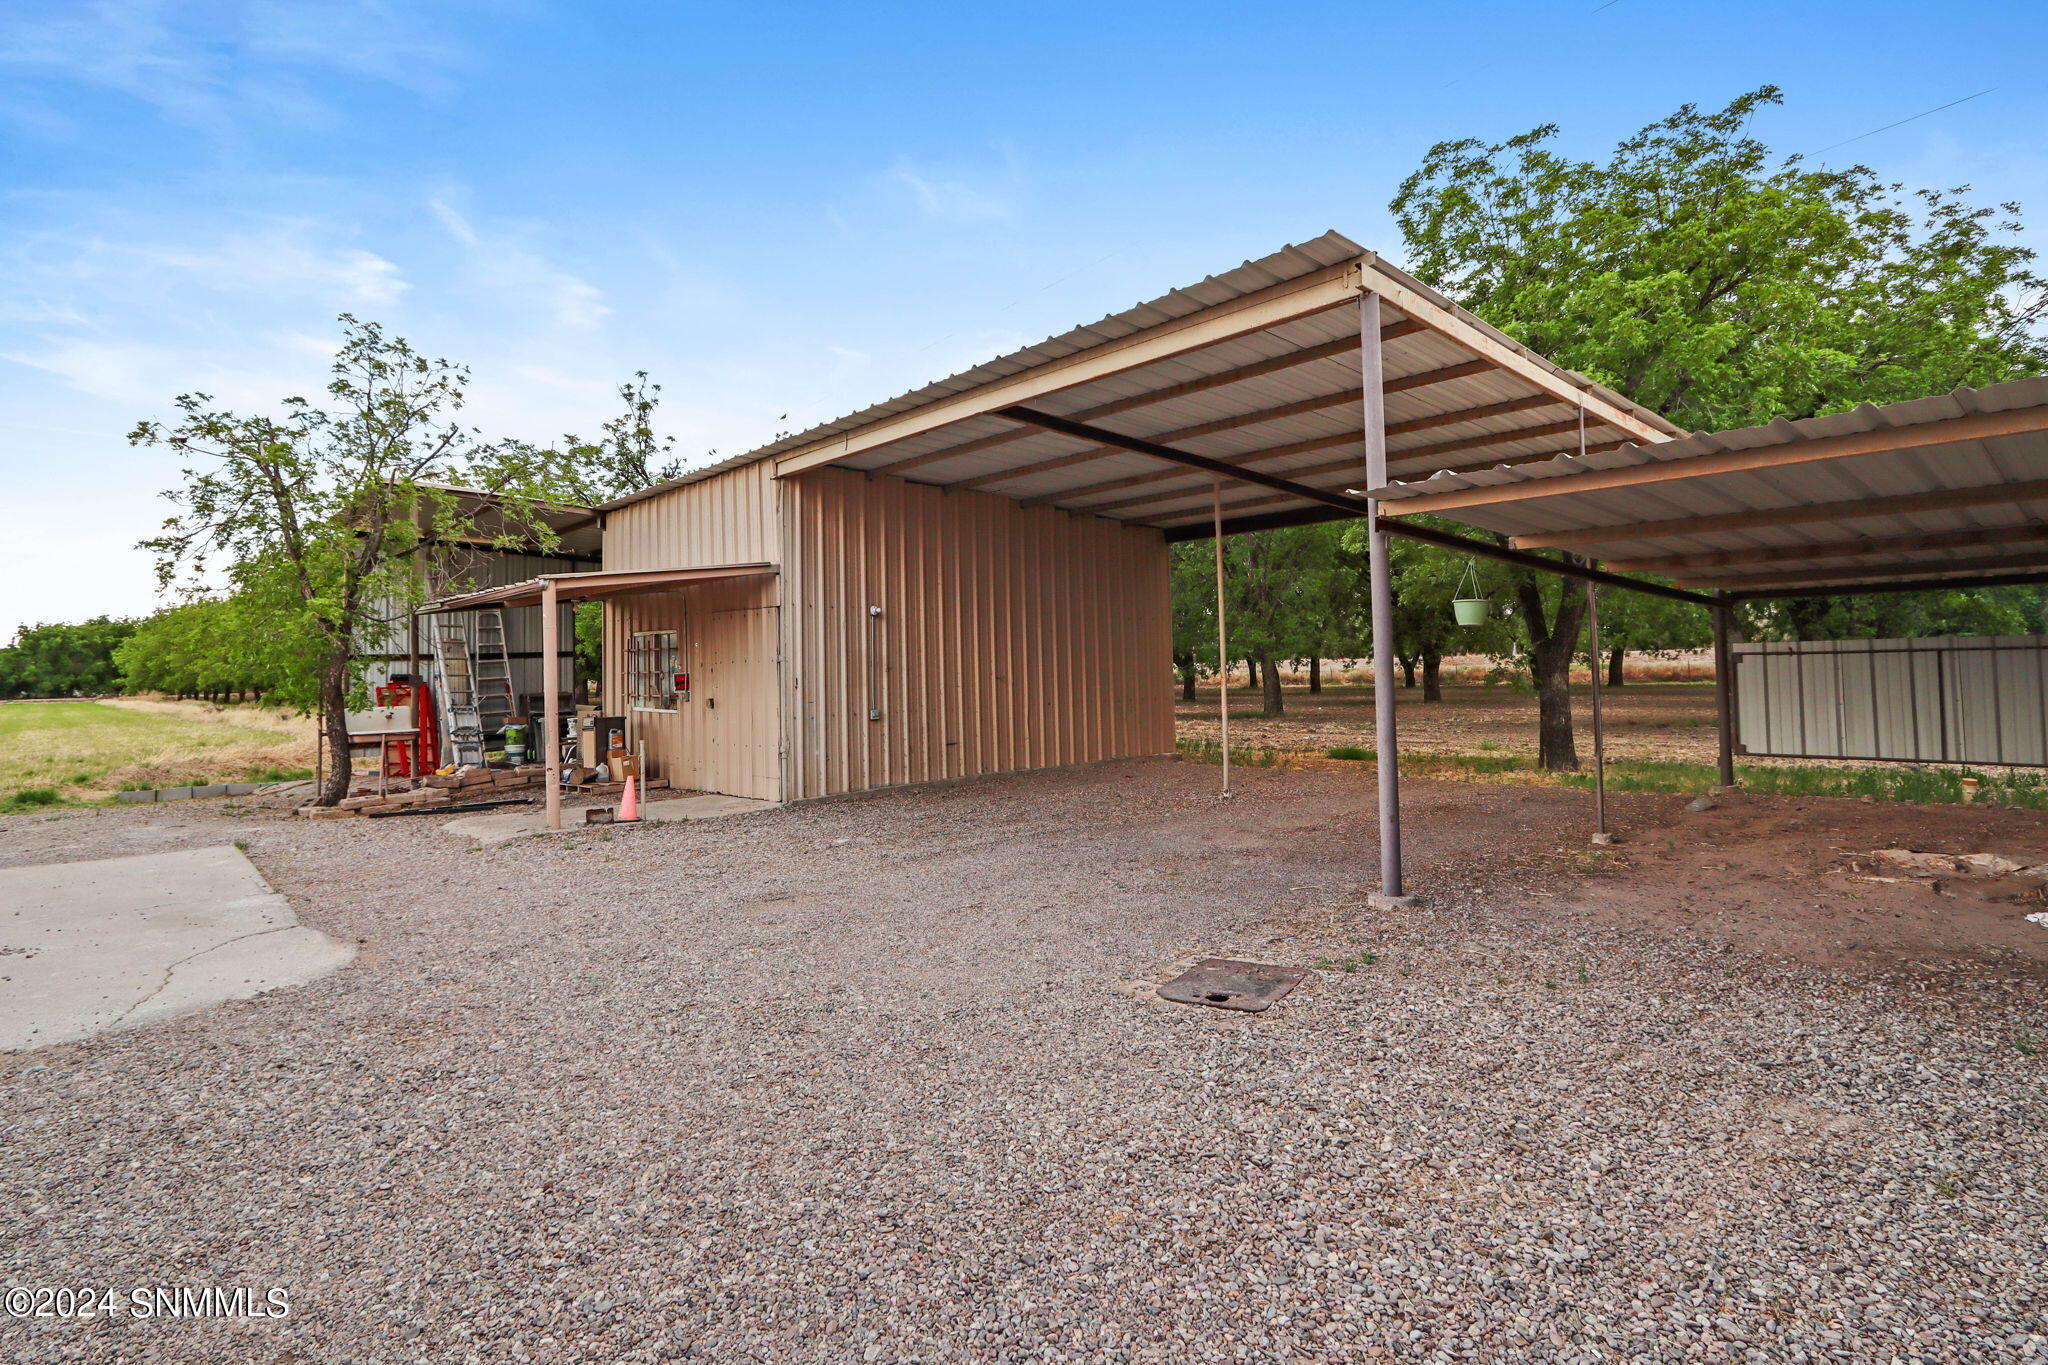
(729, 518)
(727, 737)
(1010, 637)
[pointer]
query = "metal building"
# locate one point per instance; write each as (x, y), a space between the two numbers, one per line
(972, 578)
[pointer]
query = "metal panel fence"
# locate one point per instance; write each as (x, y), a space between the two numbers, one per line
(1946, 699)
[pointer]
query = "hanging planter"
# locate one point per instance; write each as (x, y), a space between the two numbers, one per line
(1468, 607)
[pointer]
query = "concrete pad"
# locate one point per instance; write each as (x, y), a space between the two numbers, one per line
(88, 947)
(497, 829)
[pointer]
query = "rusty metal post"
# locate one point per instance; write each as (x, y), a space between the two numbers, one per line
(550, 699)
(1724, 693)
(1386, 746)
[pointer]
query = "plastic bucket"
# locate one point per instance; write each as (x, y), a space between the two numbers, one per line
(1472, 611)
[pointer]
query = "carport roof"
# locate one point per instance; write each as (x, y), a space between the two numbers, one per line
(1258, 367)
(1939, 490)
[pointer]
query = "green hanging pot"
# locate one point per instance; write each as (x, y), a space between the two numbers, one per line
(1472, 611)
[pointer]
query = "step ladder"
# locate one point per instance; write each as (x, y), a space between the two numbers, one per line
(491, 671)
(461, 724)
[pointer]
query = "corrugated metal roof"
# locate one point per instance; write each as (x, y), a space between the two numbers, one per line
(990, 446)
(1804, 523)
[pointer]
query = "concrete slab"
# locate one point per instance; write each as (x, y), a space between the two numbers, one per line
(502, 828)
(115, 943)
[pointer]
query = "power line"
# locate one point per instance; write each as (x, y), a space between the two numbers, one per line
(1889, 126)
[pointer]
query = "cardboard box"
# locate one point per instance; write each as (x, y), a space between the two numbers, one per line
(622, 766)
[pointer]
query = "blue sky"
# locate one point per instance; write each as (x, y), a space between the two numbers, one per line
(782, 212)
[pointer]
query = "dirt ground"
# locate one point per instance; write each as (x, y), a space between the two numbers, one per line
(1642, 720)
(883, 1079)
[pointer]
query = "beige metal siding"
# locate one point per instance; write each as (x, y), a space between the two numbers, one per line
(726, 738)
(729, 518)
(1010, 637)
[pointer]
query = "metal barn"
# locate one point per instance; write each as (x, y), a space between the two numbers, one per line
(972, 578)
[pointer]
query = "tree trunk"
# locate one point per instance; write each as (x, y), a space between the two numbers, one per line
(334, 718)
(1315, 675)
(1251, 672)
(1551, 663)
(1432, 677)
(1275, 704)
(1407, 662)
(1187, 678)
(1614, 669)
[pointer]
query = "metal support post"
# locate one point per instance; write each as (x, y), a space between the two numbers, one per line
(1386, 745)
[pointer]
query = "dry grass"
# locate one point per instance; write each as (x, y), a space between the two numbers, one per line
(88, 750)
(1474, 670)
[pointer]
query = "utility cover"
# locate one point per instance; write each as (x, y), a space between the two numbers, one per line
(1225, 984)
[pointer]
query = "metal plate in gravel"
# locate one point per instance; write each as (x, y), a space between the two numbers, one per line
(1225, 984)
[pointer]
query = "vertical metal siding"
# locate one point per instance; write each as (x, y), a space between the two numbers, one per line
(1011, 637)
(727, 637)
(730, 518)
(1952, 699)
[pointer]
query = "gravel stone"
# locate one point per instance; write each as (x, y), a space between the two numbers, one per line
(870, 1080)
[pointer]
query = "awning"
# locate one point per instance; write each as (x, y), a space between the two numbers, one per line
(1951, 489)
(584, 587)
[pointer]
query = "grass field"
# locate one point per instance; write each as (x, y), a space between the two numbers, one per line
(59, 752)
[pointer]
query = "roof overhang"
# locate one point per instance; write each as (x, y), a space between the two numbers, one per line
(1255, 370)
(575, 528)
(1946, 490)
(584, 587)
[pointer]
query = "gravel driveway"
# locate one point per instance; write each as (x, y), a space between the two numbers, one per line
(870, 1080)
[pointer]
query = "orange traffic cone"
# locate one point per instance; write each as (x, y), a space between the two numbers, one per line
(629, 804)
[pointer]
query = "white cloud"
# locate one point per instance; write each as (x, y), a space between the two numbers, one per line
(960, 196)
(512, 269)
(216, 66)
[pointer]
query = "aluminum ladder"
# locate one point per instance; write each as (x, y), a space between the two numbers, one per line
(461, 724)
(491, 671)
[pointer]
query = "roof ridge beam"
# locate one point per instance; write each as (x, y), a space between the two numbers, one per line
(1971, 427)
(1947, 500)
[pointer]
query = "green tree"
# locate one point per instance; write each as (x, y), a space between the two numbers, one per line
(64, 660)
(217, 647)
(1194, 612)
(1272, 591)
(1640, 623)
(2019, 610)
(627, 457)
(1706, 279)
(319, 510)
(1335, 619)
